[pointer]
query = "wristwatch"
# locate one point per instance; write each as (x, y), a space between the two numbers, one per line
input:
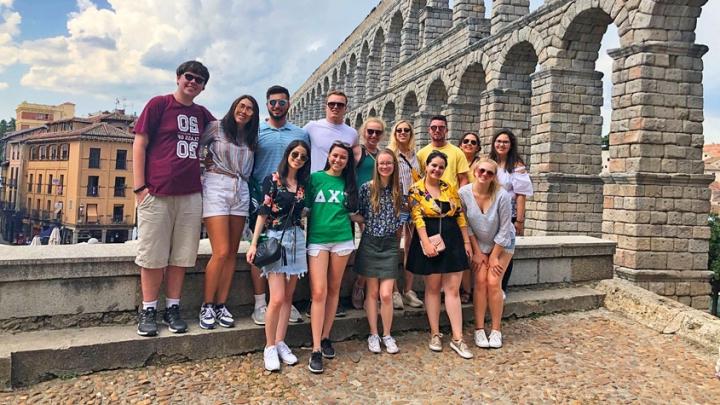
(141, 188)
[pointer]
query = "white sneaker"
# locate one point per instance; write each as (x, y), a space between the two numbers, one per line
(286, 355)
(495, 339)
(223, 317)
(397, 301)
(207, 317)
(436, 343)
(258, 315)
(272, 362)
(390, 344)
(411, 299)
(481, 339)
(295, 316)
(374, 343)
(461, 349)
(504, 296)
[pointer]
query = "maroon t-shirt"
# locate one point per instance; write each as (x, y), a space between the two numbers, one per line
(172, 166)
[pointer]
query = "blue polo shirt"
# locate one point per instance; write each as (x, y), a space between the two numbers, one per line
(271, 145)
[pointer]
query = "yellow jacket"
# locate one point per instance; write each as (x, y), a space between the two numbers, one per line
(423, 205)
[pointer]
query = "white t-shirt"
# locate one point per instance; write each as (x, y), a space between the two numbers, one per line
(322, 135)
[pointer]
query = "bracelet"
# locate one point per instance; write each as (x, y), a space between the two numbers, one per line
(141, 188)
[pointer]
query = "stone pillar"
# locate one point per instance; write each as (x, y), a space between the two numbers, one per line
(506, 108)
(471, 13)
(373, 75)
(566, 153)
(656, 197)
(409, 41)
(434, 21)
(505, 12)
(462, 119)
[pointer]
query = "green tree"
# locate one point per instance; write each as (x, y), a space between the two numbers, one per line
(714, 253)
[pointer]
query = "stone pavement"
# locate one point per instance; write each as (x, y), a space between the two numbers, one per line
(594, 356)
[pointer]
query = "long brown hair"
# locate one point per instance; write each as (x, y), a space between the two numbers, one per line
(394, 183)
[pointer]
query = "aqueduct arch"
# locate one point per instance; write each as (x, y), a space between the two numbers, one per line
(536, 73)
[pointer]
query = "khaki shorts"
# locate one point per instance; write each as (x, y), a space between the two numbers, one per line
(168, 230)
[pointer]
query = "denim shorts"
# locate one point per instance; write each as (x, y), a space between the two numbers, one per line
(294, 244)
(340, 248)
(224, 195)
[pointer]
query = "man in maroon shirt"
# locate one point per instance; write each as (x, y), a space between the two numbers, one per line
(166, 173)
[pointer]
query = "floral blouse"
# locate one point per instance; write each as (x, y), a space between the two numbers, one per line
(423, 205)
(277, 202)
(384, 222)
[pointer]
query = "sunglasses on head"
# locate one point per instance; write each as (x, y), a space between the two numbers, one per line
(299, 156)
(190, 77)
(484, 172)
(373, 132)
(403, 130)
(438, 127)
(341, 143)
(333, 105)
(469, 141)
(281, 103)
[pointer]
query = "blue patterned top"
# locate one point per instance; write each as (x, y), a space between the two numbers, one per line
(383, 223)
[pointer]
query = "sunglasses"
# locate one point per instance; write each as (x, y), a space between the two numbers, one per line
(299, 156)
(281, 103)
(438, 127)
(374, 132)
(341, 143)
(469, 141)
(333, 105)
(483, 172)
(403, 130)
(190, 77)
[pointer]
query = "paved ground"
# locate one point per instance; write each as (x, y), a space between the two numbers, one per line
(585, 357)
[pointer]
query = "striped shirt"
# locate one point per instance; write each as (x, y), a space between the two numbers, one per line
(406, 179)
(225, 154)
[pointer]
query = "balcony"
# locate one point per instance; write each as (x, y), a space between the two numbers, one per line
(92, 191)
(121, 165)
(107, 220)
(119, 191)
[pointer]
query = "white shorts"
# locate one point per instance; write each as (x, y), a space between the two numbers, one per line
(224, 195)
(340, 248)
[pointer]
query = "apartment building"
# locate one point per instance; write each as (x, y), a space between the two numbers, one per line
(30, 115)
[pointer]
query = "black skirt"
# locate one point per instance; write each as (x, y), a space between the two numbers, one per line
(452, 259)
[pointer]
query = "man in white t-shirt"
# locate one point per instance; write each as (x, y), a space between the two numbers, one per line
(332, 128)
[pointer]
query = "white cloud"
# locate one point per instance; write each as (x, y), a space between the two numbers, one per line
(3, 85)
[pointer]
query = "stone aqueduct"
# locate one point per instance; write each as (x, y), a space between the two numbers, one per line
(536, 74)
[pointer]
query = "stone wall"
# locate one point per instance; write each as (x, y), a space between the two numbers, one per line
(536, 74)
(85, 285)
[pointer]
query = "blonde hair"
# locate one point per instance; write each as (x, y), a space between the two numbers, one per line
(494, 184)
(376, 120)
(394, 183)
(393, 145)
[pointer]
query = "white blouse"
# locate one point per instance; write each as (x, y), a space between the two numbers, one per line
(516, 182)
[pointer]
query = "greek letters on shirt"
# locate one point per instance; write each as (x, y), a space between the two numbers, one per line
(334, 196)
(188, 136)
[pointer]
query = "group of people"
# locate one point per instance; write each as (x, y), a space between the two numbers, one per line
(456, 212)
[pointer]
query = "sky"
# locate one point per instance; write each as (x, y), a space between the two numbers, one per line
(103, 54)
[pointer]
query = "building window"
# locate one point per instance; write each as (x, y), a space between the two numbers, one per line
(118, 214)
(39, 184)
(50, 180)
(30, 182)
(94, 158)
(119, 186)
(93, 186)
(53, 152)
(43, 152)
(61, 184)
(121, 159)
(64, 151)
(33, 153)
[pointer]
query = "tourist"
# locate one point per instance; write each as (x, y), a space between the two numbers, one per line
(324, 132)
(437, 211)
(470, 145)
(514, 178)
(332, 197)
(402, 142)
(377, 257)
(230, 145)
(492, 235)
(371, 133)
(457, 166)
(275, 134)
(332, 128)
(166, 177)
(280, 213)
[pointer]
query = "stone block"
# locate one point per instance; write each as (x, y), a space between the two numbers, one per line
(525, 272)
(555, 271)
(701, 302)
(591, 268)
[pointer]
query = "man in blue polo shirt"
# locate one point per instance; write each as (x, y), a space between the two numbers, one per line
(274, 136)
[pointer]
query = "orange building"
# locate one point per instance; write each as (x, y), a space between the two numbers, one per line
(30, 115)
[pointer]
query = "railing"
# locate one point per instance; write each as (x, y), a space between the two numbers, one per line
(120, 191)
(107, 220)
(121, 165)
(92, 191)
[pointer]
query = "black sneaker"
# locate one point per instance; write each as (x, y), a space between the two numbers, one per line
(147, 326)
(172, 319)
(316, 360)
(340, 312)
(328, 351)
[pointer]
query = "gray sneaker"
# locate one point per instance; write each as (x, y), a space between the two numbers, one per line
(436, 343)
(207, 317)
(295, 316)
(173, 320)
(397, 301)
(258, 315)
(223, 317)
(461, 348)
(411, 299)
(147, 325)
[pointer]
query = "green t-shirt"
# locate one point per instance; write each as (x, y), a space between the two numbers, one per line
(329, 221)
(365, 169)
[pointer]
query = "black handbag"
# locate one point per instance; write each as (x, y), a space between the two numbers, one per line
(271, 249)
